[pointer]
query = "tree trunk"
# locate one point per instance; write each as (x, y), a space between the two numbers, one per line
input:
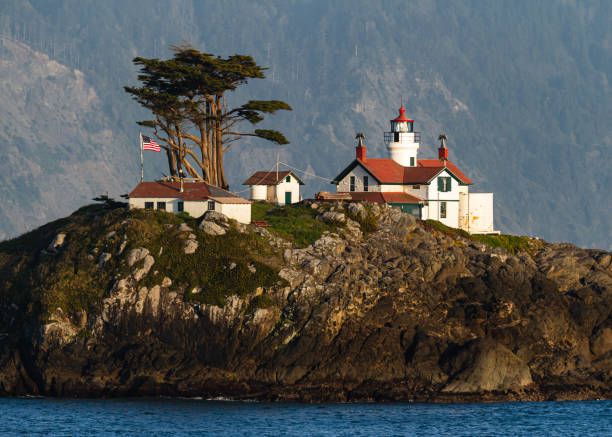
(170, 154)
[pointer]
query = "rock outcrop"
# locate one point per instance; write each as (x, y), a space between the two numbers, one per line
(405, 312)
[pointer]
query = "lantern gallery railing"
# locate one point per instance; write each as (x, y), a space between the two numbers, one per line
(393, 137)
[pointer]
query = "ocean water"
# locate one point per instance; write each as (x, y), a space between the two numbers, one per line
(171, 417)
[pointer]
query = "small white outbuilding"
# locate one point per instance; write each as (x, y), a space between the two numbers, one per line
(282, 187)
(195, 198)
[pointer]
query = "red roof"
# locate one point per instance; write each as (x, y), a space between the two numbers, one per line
(269, 178)
(402, 116)
(438, 163)
(191, 191)
(387, 171)
(381, 197)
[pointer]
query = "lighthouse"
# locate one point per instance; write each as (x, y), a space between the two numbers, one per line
(403, 142)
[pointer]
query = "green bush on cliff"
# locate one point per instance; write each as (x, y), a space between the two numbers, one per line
(74, 278)
(512, 243)
(258, 302)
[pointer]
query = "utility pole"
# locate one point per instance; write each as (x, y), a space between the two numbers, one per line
(277, 167)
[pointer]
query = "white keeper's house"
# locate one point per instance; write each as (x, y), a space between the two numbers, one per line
(427, 188)
(281, 187)
(195, 198)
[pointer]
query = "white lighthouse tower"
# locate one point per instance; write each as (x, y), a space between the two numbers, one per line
(402, 141)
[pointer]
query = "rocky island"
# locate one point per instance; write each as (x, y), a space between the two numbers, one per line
(327, 302)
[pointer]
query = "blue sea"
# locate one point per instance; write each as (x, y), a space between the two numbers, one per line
(171, 417)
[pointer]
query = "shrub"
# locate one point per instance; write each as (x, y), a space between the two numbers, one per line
(258, 302)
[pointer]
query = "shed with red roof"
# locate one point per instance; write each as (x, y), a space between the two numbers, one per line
(194, 198)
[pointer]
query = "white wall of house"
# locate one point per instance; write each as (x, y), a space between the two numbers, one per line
(358, 172)
(139, 202)
(258, 192)
(476, 213)
(293, 187)
(450, 198)
(237, 211)
(420, 192)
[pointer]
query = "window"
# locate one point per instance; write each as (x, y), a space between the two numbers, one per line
(149, 205)
(365, 183)
(352, 187)
(288, 178)
(416, 187)
(180, 206)
(211, 205)
(444, 184)
(442, 209)
(161, 206)
(396, 137)
(412, 161)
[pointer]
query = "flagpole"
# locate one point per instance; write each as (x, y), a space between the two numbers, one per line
(141, 157)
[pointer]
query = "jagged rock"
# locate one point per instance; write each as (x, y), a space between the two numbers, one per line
(211, 228)
(486, 365)
(191, 246)
(314, 205)
(138, 274)
(252, 268)
(57, 242)
(216, 217)
(293, 277)
(122, 246)
(110, 235)
(136, 255)
(104, 257)
(404, 314)
(332, 217)
(184, 227)
(80, 318)
(358, 210)
(602, 342)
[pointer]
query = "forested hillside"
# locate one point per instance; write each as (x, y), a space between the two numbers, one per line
(522, 89)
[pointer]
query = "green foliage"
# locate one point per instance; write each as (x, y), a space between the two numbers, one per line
(271, 135)
(258, 302)
(294, 222)
(72, 278)
(512, 243)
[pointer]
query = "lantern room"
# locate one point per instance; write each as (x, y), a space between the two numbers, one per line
(402, 123)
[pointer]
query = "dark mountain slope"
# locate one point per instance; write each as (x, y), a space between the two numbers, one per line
(522, 90)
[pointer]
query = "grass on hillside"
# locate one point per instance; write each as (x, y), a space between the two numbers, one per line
(512, 243)
(295, 223)
(38, 283)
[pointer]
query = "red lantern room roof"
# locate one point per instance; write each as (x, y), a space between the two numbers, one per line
(402, 116)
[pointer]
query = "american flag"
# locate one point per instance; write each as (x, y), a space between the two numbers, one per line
(150, 144)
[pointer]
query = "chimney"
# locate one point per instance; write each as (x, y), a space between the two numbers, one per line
(443, 153)
(360, 150)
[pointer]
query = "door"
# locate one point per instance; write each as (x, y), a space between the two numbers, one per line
(287, 197)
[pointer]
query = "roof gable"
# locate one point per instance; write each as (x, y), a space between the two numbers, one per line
(350, 167)
(270, 178)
